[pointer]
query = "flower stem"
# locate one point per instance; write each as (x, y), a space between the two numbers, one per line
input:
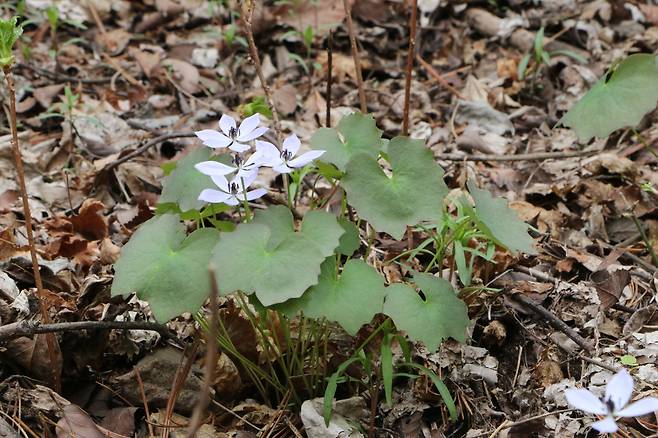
(245, 202)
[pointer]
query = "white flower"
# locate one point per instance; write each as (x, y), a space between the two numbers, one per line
(243, 167)
(231, 136)
(283, 161)
(231, 192)
(615, 403)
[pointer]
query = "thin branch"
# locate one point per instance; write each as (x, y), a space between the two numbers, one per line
(553, 320)
(28, 328)
(53, 348)
(355, 55)
(253, 51)
(538, 156)
(146, 146)
(438, 77)
(410, 64)
(211, 360)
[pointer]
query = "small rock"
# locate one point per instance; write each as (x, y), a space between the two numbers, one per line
(157, 371)
(313, 420)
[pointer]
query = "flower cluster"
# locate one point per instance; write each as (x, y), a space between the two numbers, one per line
(245, 168)
(614, 404)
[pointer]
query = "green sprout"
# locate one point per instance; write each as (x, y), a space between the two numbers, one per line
(10, 31)
(541, 57)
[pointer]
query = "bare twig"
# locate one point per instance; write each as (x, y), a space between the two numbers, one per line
(538, 156)
(28, 328)
(146, 146)
(177, 385)
(330, 76)
(62, 77)
(355, 55)
(553, 320)
(210, 360)
(144, 401)
(438, 77)
(53, 348)
(410, 64)
(255, 57)
(524, 421)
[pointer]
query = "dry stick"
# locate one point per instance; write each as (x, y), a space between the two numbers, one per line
(438, 77)
(144, 401)
(407, 91)
(20, 172)
(410, 64)
(139, 151)
(538, 156)
(29, 328)
(524, 421)
(253, 51)
(177, 385)
(553, 320)
(330, 76)
(211, 360)
(355, 55)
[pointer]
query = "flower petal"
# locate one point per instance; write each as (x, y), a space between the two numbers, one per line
(640, 407)
(213, 168)
(248, 125)
(239, 147)
(232, 200)
(305, 158)
(270, 154)
(246, 179)
(221, 182)
(585, 401)
(248, 174)
(619, 389)
(253, 134)
(213, 196)
(255, 194)
(281, 168)
(607, 425)
(213, 139)
(292, 144)
(226, 122)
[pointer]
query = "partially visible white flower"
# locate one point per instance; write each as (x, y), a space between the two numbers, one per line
(283, 161)
(231, 192)
(243, 167)
(231, 136)
(618, 393)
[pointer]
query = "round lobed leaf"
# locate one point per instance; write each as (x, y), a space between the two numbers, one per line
(619, 99)
(269, 258)
(441, 315)
(165, 267)
(351, 300)
(356, 133)
(414, 193)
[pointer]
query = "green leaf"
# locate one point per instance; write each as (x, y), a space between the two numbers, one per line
(441, 315)
(523, 66)
(351, 300)
(349, 242)
(440, 386)
(10, 31)
(165, 267)
(356, 133)
(269, 258)
(414, 193)
(500, 222)
(332, 386)
(619, 99)
(185, 183)
(628, 359)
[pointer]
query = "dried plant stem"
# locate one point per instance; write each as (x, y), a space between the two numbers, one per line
(355, 55)
(410, 63)
(253, 51)
(20, 173)
(330, 76)
(210, 360)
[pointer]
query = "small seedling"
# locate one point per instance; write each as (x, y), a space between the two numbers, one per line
(541, 57)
